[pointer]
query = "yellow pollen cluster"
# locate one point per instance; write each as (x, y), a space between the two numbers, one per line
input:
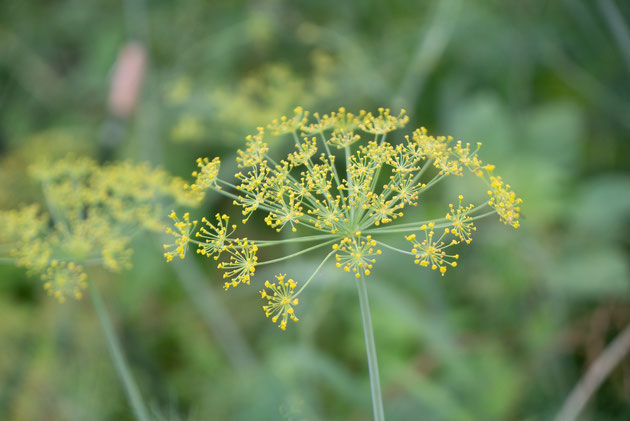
(504, 201)
(384, 122)
(462, 222)
(343, 138)
(206, 176)
(280, 300)
(356, 254)
(289, 125)
(242, 263)
(64, 279)
(215, 236)
(182, 232)
(431, 253)
(254, 152)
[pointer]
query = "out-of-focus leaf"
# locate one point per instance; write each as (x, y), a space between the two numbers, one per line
(602, 207)
(592, 273)
(543, 186)
(483, 118)
(554, 131)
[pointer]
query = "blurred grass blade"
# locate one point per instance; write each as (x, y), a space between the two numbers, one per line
(595, 376)
(131, 388)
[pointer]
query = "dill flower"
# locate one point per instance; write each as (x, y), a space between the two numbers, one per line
(91, 212)
(241, 265)
(280, 300)
(355, 254)
(182, 233)
(215, 236)
(207, 174)
(64, 279)
(431, 253)
(353, 212)
(462, 222)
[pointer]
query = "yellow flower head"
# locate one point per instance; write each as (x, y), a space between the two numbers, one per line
(462, 222)
(431, 252)
(384, 122)
(215, 236)
(207, 174)
(64, 279)
(90, 211)
(254, 152)
(285, 125)
(504, 200)
(182, 232)
(241, 266)
(356, 254)
(345, 184)
(281, 300)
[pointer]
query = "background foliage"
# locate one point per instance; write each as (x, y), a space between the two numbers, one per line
(505, 336)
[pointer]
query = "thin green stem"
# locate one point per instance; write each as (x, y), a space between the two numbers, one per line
(266, 243)
(336, 175)
(235, 197)
(227, 183)
(294, 240)
(348, 181)
(290, 256)
(406, 227)
(266, 207)
(394, 248)
(115, 351)
(427, 165)
(315, 273)
(433, 182)
(368, 331)
(416, 226)
(384, 135)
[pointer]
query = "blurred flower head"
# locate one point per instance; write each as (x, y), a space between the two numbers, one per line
(91, 212)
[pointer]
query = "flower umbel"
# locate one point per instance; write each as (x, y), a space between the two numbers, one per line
(182, 232)
(64, 279)
(461, 220)
(344, 185)
(207, 174)
(430, 252)
(90, 214)
(242, 263)
(280, 300)
(215, 236)
(356, 254)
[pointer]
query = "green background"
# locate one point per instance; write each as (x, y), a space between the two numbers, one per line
(504, 336)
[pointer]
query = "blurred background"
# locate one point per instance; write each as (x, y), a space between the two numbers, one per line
(506, 336)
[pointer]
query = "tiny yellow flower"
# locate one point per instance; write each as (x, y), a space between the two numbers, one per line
(64, 279)
(281, 300)
(182, 233)
(431, 252)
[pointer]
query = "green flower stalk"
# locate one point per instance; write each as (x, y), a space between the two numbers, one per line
(344, 187)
